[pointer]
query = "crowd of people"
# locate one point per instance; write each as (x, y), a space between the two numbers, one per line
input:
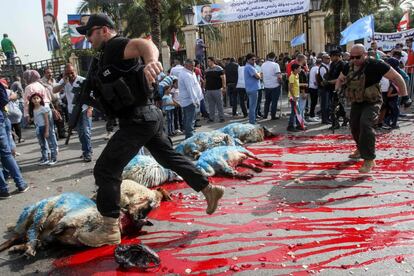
(250, 86)
(254, 85)
(44, 105)
(186, 93)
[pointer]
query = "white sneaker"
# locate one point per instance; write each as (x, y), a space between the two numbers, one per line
(43, 162)
(52, 162)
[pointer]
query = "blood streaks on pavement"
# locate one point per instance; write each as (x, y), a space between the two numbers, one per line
(298, 217)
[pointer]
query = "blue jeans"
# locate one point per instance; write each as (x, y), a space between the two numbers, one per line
(259, 102)
(302, 105)
(189, 116)
(8, 162)
(23, 122)
(10, 58)
(47, 143)
(203, 108)
(170, 121)
(325, 104)
(84, 131)
(252, 95)
(292, 118)
(8, 127)
(271, 97)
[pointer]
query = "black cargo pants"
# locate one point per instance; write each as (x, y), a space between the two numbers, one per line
(144, 130)
(363, 118)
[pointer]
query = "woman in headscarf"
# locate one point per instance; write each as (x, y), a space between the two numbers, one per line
(33, 85)
(31, 78)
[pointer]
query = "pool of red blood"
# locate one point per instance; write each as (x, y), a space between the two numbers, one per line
(330, 238)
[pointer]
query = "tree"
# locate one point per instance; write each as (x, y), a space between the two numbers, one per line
(386, 20)
(154, 7)
(344, 11)
(160, 18)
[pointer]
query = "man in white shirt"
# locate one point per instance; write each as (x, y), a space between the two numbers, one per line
(271, 80)
(240, 92)
(175, 71)
(49, 82)
(67, 83)
(189, 97)
(313, 90)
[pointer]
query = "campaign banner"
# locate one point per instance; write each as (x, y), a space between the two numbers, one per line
(50, 12)
(388, 40)
(239, 10)
(77, 40)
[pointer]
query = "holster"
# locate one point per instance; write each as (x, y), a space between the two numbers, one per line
(117, 94)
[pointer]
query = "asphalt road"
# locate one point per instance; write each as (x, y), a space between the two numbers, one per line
(311, 213)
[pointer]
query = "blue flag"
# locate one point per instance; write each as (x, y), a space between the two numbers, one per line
(362, 28)
(298, 40)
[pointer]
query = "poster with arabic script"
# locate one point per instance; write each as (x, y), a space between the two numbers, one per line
(388, 40)
(239, 10)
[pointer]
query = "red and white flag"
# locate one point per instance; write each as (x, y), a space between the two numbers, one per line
(176, 44)
(404, 22)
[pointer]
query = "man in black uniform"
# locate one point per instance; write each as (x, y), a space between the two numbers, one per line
(362, 76)
(123, 93)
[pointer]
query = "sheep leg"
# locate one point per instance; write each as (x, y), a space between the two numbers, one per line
(9, 243)
(18, 248)
(263, 163)
(228, 171)
(251, 166)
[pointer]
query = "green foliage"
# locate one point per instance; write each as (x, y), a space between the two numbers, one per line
(136, 16)
(386, 20)
(387, 14)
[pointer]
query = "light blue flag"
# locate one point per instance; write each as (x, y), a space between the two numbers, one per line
(362, 28)
(298, 40)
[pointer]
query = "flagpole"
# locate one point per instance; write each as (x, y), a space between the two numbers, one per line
(58, 53)
(307, 31)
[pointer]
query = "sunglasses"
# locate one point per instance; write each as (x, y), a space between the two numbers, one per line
(355, 57)
(89, 33)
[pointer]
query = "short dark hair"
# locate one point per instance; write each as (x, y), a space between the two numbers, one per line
(232, 59)
(295, 66)
(212, 59)
(271, 55)
(250, 55)
(205, 6)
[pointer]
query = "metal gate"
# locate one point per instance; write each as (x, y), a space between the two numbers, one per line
(12, 70)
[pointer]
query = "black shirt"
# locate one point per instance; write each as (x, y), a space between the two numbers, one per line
(231, 70)
(213, 78)
(335, 69)
(112, 66)
(374, 71)
(113, 55)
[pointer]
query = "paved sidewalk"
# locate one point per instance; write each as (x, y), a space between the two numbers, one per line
(312, 212)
